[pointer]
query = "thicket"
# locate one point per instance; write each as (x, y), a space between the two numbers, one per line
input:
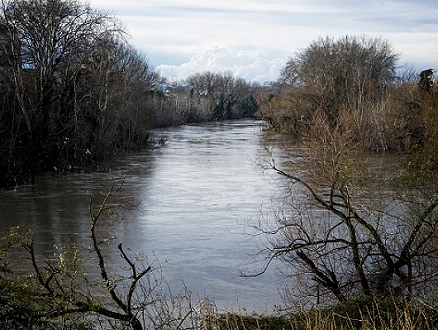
(357, 219)
(75, 93)
(355, 80)
(205, 96)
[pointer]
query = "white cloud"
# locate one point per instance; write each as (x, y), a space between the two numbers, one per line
(253, 65)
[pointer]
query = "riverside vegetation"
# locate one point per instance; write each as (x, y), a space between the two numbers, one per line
(61, 293)
(75, 93)
(358, 247)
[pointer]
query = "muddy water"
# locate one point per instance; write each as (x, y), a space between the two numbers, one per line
(194, 196)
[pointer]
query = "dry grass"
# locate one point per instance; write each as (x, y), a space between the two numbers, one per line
(390, 314)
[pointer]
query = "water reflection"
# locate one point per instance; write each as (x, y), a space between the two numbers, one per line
(195, 196)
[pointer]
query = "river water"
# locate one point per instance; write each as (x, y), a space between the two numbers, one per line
(195, 197)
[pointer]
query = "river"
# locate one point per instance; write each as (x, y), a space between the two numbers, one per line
(195, 196)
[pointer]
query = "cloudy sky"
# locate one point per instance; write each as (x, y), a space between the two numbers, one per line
(254, 38)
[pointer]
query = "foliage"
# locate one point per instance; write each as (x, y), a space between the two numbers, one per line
(353, 80)
(365, 313)
(359, 313)
(226, 97)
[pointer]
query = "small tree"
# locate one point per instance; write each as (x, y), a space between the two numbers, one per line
(59, 290)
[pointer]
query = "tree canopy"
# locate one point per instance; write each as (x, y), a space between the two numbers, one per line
(331, 75)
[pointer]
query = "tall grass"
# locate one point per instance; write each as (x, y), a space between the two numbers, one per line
(357, 314)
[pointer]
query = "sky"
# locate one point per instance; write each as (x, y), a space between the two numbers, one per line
(253, 39)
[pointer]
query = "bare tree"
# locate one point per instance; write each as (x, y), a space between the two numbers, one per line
(75, 91)
(55, 38)
(45, 43)
(349, 226)
(343, 72)
(350, 73)
(62, 288)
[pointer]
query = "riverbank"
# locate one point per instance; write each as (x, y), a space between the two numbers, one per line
(355, 314)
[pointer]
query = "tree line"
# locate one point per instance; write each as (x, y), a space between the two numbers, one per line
(206, 96)
(75, 93)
